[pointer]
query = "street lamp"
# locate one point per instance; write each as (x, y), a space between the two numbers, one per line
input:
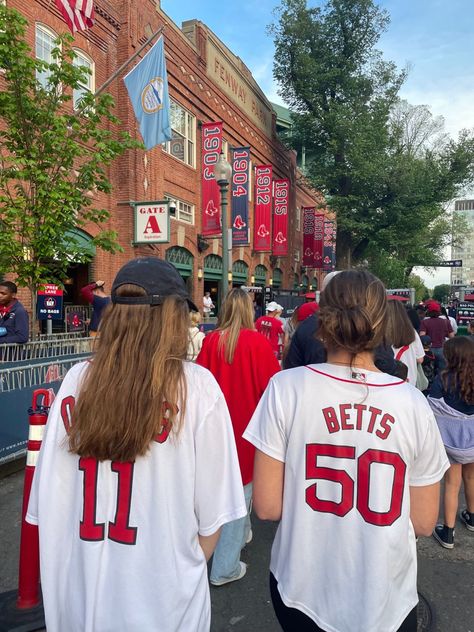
(223, 173)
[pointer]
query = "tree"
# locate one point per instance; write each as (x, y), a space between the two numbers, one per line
(384, 166)
(54, 159)
(441, 293)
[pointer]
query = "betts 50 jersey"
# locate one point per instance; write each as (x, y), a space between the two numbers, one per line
(119, 541)
(353, 442)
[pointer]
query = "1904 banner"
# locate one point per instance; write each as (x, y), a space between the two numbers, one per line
(240, 195)
(308, 235)
(263, 209)
(211, 149)
(281, 200)
(318, 247)
(329, 259)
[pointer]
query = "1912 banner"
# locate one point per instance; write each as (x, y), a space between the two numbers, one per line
(263, 209)
(281, 201)
(329, 259)
(240, 195)
(211, 149)
(318, 240)
(308, 235)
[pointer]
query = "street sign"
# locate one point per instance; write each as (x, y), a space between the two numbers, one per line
(465, 313)
(49, 303)
(450, 263)
(151, 222)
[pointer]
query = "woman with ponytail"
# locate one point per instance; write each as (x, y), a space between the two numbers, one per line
(138, 471)
(349, 461)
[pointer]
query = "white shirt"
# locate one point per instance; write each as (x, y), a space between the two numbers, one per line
(186, 486)
(408, 355)
(453, 323)
(207, 303)
(345, 552)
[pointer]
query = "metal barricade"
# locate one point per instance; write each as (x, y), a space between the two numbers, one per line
(42, 349)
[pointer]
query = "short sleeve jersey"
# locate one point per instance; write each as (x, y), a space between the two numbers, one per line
(272, 329)
(119, 541)
(352, 442)
(409, 355)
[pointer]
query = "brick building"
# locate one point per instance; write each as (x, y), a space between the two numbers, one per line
(207, 83)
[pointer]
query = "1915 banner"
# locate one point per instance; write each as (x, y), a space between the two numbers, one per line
(318, 240)
(211, 149)
(240, 195)
(281, 200)
(263, 209)
(329, 260)
(308, 235)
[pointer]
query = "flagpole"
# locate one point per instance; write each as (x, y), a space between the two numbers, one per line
(129, 60)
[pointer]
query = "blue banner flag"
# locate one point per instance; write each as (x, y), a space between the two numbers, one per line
(147, 86)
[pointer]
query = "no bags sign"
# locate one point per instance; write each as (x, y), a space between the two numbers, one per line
(151, 222)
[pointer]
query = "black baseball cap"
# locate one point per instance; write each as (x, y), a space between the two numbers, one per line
(157, 277)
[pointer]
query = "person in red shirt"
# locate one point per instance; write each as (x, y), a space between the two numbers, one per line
(438, 329)
(242, 361)
(272, 327)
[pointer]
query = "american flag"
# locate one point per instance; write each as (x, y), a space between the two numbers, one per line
(79, 14)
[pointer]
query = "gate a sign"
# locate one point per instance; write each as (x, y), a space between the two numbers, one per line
(152, 222)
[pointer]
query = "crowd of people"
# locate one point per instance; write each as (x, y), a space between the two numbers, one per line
(339, 424)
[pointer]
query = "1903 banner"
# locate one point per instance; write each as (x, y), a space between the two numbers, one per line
(281, 200)
(308, 235)
(263, 209)
(240, 195)
(211, 149)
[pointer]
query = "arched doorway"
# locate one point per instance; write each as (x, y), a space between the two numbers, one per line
(277, 278)
(260, 275)
(296, 282)
(183, 261)
(240, 273)
(305, 283)
(213, 278)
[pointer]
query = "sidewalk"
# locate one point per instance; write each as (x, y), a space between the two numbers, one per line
(446, 578)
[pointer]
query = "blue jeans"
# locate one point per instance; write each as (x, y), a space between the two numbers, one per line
(226, 559)
(440, 361)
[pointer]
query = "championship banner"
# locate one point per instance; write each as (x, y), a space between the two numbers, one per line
(308, 235)
(211, 203)
(318, 247)
(240, 195)
(262, 241)
(329, 258)
(281, 200)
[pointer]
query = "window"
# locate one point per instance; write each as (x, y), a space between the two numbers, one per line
(82, 59)
(183, 211)
(44, 45)
(183, 127)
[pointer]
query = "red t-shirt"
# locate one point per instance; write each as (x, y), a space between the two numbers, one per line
(437, 329)
(272, 329)
(242, 383)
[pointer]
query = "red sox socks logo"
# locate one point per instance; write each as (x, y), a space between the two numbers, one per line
(239, 223)
(327, 259)
(308, 252)
(211, 209)
(280, 238)
(262, 231)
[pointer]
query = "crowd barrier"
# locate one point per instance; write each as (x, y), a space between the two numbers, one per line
(16, 386)
(50, 348)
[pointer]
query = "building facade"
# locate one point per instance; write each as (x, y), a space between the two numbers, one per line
(207, 83)
(464, 247)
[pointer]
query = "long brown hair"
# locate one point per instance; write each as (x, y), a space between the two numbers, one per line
(235, 314)
(352, 312)
(136, 373)
(399, 330)
(459, 373)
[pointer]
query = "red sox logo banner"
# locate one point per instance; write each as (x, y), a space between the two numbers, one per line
(308, 235)
(329, 259)
(281, 200)
(240, 195)
(263, 209)
(318, 247)
(211, 148)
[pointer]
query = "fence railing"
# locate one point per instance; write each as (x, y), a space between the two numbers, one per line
(49, 348)
(34, 375)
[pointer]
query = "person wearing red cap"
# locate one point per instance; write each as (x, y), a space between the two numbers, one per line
(438, 329)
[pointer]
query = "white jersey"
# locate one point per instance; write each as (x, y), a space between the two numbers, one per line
(408, 355)
(352, 442)
(119, 542)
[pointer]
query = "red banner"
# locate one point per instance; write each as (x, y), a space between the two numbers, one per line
(263, 209)
(318, 240)
(211, 204)
(308, 235)
(281, 201)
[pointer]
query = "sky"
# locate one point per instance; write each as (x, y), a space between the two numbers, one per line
(433, 37)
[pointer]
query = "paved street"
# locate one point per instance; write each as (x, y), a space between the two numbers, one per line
(446, 578)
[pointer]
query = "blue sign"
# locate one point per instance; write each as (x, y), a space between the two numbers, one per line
(49, 307)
